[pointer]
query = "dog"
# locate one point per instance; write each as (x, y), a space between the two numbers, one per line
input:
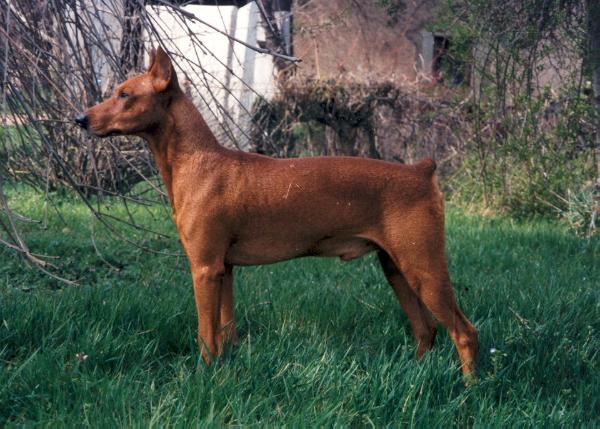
(236, 208)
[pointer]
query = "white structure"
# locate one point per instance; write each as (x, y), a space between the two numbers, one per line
(223, 77)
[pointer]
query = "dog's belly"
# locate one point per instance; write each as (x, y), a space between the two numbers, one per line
(265, 250)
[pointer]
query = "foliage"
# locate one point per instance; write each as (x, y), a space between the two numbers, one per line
(576, 210)
(341, 106)
(528, 161)
(530, 108)
(323, 343)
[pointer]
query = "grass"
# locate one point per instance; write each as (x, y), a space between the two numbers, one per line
(323, 342)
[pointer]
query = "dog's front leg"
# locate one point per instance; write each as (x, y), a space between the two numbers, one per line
(208, 282)
(227, 330)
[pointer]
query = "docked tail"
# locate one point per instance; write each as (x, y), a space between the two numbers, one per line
(428, 165)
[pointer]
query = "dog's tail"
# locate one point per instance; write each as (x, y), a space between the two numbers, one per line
(428, 166)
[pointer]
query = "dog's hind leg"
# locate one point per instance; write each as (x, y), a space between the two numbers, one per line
(429, 280)
(436, 293)
(423, 324)
(416, 247)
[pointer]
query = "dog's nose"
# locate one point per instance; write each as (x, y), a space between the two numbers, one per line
(81, 120)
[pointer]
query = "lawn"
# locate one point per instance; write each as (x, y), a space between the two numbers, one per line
(322, 342)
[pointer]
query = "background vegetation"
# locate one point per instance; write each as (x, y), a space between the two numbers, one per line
(532, 146)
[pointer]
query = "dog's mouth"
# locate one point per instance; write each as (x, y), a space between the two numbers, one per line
(101, 134)
(113, 133)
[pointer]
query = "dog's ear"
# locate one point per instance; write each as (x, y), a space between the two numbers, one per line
(162, 72)
(151, 58)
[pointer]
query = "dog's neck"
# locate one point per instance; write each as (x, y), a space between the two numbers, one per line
(181, 136)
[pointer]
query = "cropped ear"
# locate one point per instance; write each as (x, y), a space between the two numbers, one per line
(161, 71)
(151, 58)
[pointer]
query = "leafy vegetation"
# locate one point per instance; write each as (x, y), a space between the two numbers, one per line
(532, 114)
(322, 342)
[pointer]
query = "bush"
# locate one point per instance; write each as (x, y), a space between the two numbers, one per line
(532, 161)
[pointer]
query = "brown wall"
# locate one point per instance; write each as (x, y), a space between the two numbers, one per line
(355, 39)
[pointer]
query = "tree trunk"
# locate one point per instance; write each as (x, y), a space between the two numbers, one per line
(593, 19)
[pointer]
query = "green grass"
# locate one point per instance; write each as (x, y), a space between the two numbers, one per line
(322, 342)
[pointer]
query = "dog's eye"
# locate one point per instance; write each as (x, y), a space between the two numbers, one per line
(123, 94)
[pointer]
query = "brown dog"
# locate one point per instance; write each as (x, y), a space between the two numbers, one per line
(235, 208)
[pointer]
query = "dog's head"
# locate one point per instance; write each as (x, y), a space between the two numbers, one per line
(138, 104)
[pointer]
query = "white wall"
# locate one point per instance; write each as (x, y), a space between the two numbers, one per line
(224, 78)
